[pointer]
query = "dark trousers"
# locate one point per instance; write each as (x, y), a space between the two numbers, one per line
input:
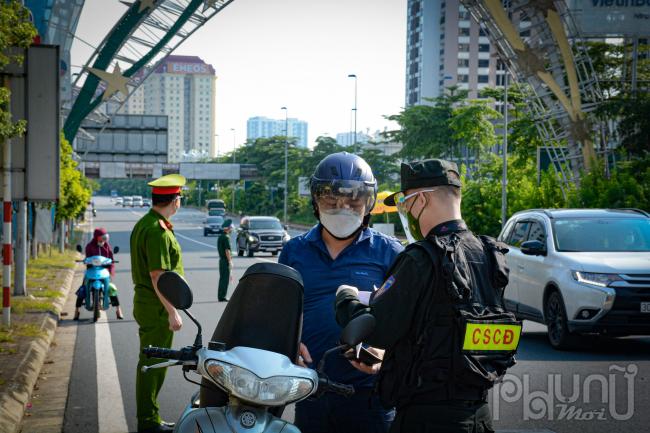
(224, 278)
(115, 301)
(446, 417)
(331, 413)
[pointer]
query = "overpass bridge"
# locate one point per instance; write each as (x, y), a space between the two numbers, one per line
(191, 170)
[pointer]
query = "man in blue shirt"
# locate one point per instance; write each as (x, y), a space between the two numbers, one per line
(341, 249)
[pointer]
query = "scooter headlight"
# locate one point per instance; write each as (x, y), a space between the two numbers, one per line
(97, 262)
(244, 384)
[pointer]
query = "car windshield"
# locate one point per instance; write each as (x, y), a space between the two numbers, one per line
(602, 234)
(265, 225)
(215, 220)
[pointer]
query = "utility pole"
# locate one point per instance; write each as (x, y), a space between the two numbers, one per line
(6, 223)
(234, 182)
(355, 111)
(286, 160)
(20, 278)
(504, 180)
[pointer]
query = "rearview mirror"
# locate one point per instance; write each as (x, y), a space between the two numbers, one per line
(358, 329)
(533, 248)
(176, 290)
(79, 248)
(116, 249)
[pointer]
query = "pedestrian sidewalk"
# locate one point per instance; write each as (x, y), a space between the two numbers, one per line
(21, 361)
(45, 411)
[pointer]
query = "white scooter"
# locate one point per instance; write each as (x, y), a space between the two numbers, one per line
(247, 370)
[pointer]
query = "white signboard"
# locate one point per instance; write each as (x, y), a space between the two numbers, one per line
(612, 17)
(35, 98)
(43, 227)
(209, 171)
(303, 187)
(42, 151)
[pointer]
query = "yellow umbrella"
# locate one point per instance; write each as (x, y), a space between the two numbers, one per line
(380, 207)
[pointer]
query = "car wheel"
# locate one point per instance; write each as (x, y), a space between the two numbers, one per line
(205, 233)
(556, 322)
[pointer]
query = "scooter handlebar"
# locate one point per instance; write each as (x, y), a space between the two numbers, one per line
(186, 354)
(338, 388)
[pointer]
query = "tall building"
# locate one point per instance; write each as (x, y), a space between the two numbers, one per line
(263, 127)
(347, 138)
(183, 88)
(445, 47)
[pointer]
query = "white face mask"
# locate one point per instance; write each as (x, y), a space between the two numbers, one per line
(341, 222)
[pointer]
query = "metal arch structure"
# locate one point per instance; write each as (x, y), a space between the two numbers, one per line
(148, 32)
(563, 86)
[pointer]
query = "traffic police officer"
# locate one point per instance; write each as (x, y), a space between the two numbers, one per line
(225, 259)
(154, 250)
(340, 249)
(440, 313)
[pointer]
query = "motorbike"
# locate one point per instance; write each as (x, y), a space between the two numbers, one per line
(248, 370)
(96, 280)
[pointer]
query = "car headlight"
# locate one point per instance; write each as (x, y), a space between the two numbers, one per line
(286, 237)
(251, 239)
(595, 279)
(244, 384)
(97, 262)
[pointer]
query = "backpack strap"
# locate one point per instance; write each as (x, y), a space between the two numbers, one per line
(499, 270)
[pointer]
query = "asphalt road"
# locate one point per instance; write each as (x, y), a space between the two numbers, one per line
(603, 386)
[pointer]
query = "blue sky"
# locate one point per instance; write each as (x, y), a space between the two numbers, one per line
(294, 53)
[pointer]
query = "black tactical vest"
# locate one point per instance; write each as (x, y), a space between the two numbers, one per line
(462, 340)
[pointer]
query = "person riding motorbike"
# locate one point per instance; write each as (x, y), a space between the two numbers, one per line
(99, 246)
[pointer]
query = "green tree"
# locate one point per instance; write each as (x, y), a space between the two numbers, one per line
(16, 31)
(384, 167)
(481, 204)
(424, 129)
(629, 108)
(76, 190)
(442, 129)
(627, 186)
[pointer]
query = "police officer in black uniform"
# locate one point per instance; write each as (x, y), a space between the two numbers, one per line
(440, 313)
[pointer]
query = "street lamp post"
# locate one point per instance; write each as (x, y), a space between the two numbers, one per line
(234, 182)
(355, 110)
(286, 160)
(504, 180)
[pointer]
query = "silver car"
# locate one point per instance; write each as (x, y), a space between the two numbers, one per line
(580, 271)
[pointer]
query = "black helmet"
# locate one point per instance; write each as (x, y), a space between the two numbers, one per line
(344, 174)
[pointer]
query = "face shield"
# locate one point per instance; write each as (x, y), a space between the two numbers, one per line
(410, 222)
(352, 195)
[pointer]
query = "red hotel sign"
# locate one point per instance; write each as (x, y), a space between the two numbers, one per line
(187, 68)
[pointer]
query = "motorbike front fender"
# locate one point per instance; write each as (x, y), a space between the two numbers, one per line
(232, 419)
(97, 273)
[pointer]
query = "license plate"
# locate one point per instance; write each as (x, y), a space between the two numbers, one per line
(645, 307)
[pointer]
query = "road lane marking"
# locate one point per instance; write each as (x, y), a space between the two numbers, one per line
(110, 406)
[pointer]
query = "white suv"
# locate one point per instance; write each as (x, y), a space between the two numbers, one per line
(580, 271)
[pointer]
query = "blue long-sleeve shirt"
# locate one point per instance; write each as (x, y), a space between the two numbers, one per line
(362, 264)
